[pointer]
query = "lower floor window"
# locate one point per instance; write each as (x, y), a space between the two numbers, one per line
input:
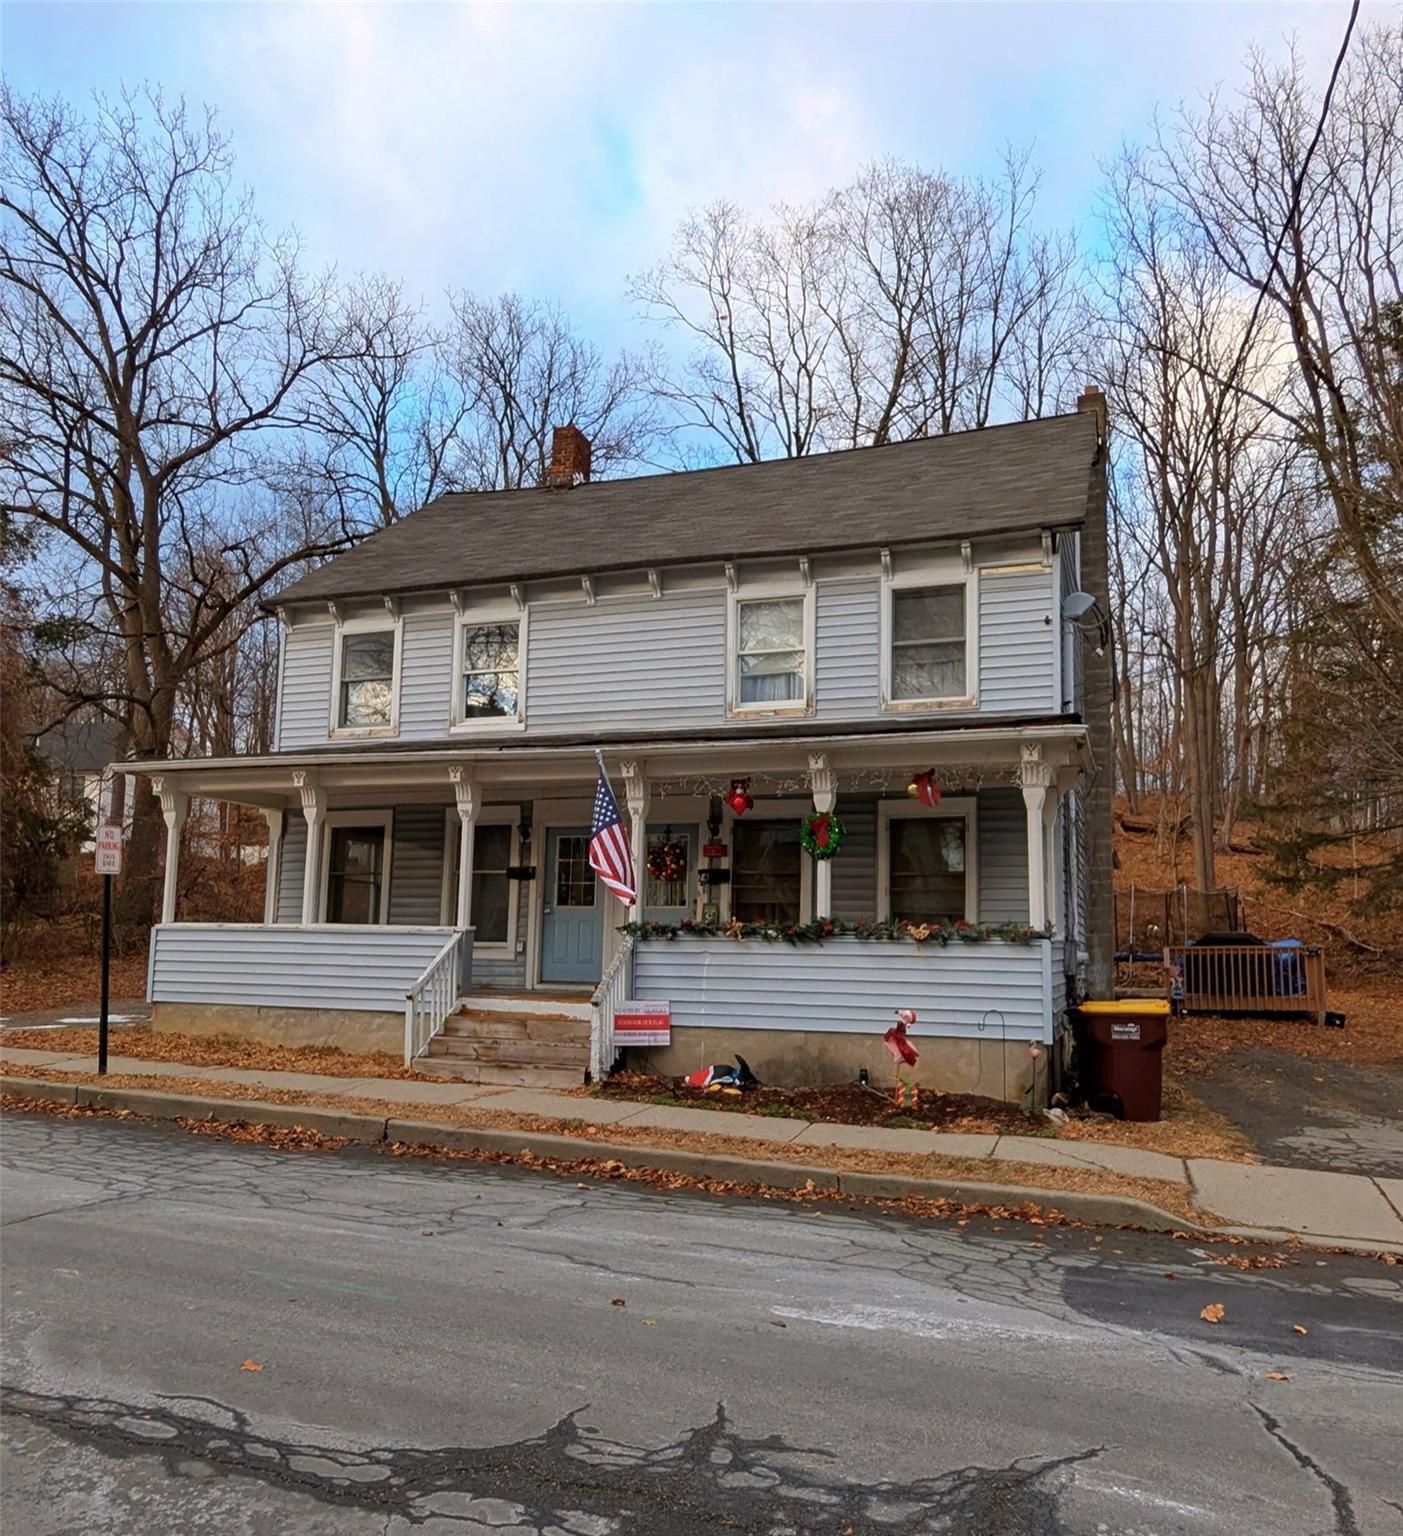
(491, 896)
(356, 875)
(928, 868)
(766, 871)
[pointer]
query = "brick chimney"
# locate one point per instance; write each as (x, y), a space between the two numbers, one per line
(569, 458)
(1092, 399)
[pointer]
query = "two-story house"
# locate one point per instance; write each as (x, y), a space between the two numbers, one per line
(748, 648)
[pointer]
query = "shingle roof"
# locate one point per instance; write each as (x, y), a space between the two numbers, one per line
(1032, 474)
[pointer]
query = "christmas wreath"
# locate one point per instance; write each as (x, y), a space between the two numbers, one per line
(667, 860)
(822, 835)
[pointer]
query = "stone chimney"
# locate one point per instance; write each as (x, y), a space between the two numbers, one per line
(1092, 399)
(569, 458)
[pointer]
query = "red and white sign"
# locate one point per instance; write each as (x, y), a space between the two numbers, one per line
(109, 850)
(643, 1024)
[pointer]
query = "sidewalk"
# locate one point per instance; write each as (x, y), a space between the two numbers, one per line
(1253, 1199)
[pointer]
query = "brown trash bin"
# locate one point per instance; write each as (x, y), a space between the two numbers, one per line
(1122, 1052)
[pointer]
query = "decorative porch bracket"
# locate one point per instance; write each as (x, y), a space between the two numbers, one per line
(175, 805)
(465, 793)
(314, 809)
(272, 873)
(824, 782)
(637, 793)
(1040, 804)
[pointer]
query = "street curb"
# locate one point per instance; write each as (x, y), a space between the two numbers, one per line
(371, 1130)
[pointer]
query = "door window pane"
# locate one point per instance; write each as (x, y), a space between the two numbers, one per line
(492, 849)
(771, 651)
(928, 643)
(367, 679)
(574, 879)
(491, 670)
(765, 871)
(356, 874)
(669, 893)
(928, 869)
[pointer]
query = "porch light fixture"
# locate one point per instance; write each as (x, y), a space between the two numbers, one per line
(1081, 610)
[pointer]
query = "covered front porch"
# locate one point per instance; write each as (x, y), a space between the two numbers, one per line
(464, 874)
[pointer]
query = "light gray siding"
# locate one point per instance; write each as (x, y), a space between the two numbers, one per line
(304, 710)
(1058, 982)
(426, 684)
(290, 874)
(855, 868)
(357, 969)
(416, 864)
(847, 985)
(627, 662)
(848, 661)
(1002, 833)
(1071, 638)
(1016, 640)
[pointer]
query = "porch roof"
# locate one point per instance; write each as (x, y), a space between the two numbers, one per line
(406, 772)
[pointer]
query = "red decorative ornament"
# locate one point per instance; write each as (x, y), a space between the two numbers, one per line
(903, 1053)
(738, 797)
(924, 788)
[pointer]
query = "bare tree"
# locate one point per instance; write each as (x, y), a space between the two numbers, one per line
(151, 337)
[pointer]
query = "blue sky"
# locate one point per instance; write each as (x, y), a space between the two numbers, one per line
(553, 148)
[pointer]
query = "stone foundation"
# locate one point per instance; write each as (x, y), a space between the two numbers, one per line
(348, 1030)
(797, 1058)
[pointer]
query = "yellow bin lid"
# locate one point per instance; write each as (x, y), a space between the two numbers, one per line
(1154, 1006)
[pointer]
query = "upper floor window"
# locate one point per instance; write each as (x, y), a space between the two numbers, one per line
(772, 653)
(490, 652)
(928, 643)
(365, 683)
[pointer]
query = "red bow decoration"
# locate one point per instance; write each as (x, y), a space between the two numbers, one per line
(738, 796)
(924, 788)
(895, 1038)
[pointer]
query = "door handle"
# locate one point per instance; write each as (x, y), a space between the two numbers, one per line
(547, 910)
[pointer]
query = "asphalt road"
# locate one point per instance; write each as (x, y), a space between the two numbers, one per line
(443, 1351)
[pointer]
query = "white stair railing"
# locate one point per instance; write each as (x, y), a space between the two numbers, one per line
(613, 989)
(432, 998)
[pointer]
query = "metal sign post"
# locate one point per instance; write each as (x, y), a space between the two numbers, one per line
(109, 863)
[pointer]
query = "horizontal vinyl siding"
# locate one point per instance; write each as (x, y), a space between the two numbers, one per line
(627, 662)
(353, 969)
(1071, 638)
(426, 683)
(846, 985)
(294, 863)
(1016, 639)
(304, 709)
(416, 864)
(1003, 856)
(848, 677)
(855, 867)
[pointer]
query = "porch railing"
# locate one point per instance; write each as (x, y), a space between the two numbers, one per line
(613, 989)
(1248, 978)
(433, 997)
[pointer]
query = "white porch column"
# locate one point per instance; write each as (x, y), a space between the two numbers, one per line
(175, 804)
(272, 873)
(825, 787)
(1037, 783)
(314, 809)
(638, 794)
(465, 792)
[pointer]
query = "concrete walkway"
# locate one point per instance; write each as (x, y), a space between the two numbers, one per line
(1320, 1206)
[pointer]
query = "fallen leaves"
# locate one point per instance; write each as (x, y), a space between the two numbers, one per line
(251, 1365)
(1277, 1376)
(1300, 1328)
(618, 1301)
(1214, 1312)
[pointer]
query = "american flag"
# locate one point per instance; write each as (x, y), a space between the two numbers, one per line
(609, 854)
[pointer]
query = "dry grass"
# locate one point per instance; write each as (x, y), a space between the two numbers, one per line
(1168, 1195)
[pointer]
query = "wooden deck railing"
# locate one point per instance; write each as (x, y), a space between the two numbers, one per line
(1248, 978)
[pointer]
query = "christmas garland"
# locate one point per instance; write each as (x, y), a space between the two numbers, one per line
(667, 861)
(941, 933)
(822, 834)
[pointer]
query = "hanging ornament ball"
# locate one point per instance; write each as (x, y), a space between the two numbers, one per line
(924, 788)
(822, 835)
(738, 797)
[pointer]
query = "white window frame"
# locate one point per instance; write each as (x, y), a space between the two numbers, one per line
(384, 819)
(961, 807)
(373, 624)
(943, 572)
(489, 816)
(493, 611)
(769, 592)
(772, 810)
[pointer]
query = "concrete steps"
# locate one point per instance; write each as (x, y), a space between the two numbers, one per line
(520, 1042)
